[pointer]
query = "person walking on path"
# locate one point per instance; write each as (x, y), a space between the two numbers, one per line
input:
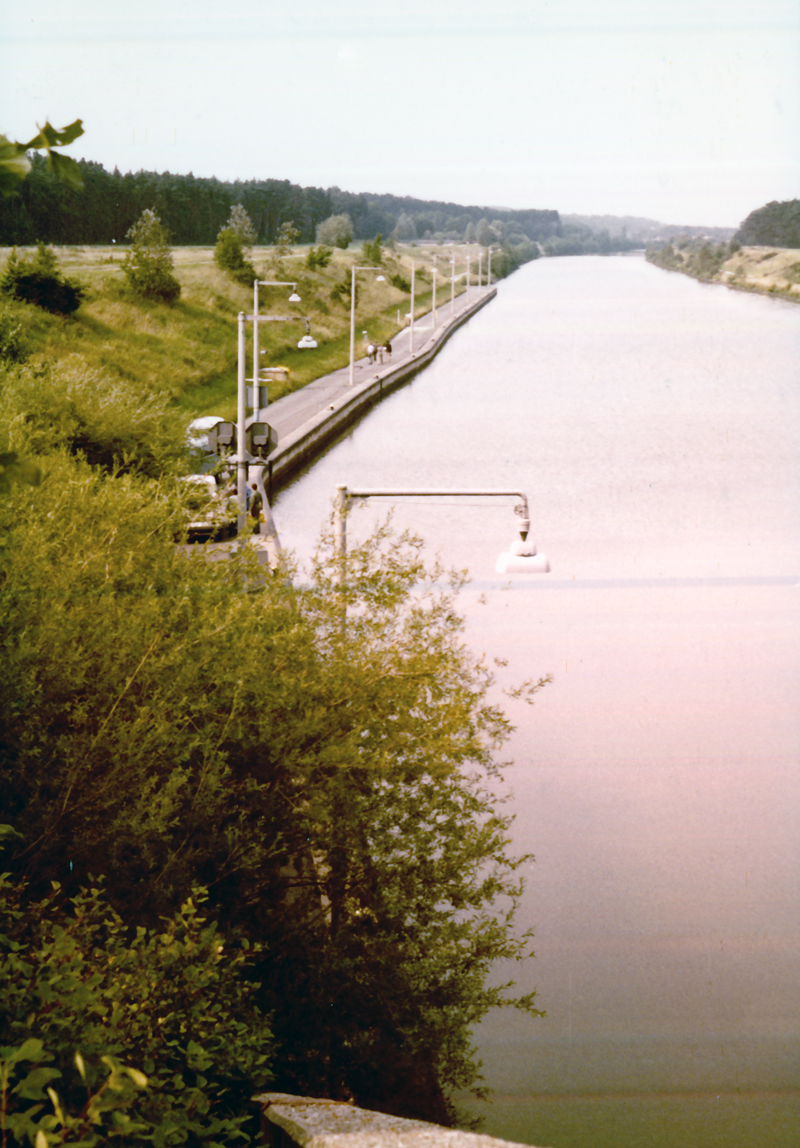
(256, 503)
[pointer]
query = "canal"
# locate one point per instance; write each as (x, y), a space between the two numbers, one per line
(654, 423)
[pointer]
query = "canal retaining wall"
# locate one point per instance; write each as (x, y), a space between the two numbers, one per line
(335, 414)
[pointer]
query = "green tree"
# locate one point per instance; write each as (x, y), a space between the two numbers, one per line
(339, 803)
(336, 231)
(405, 229)
(372, 250)
(148, 264)
(287, 236)
(240, 223)
(228, 256)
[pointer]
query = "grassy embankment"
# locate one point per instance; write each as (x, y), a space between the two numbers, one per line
(188, 350)
(766, 270)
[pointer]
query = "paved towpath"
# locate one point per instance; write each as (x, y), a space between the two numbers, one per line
(293, 410)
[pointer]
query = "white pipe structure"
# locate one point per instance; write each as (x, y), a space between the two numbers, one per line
(521, 557)
(380, 279)
(293, 298)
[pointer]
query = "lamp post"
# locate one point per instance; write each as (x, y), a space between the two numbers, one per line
(293, 298)
(380, 279)
(413, 273)
(243, 456)
(489, 272)
(521, 557)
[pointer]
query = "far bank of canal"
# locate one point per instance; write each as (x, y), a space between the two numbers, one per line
(654, 422)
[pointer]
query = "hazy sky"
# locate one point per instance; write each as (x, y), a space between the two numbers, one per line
(685, 111)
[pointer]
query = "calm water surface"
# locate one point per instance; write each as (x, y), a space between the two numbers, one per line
(654, 423)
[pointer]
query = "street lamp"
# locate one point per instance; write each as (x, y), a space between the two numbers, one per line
(293, 298)
(380, 279)
(243, 456)
(520, 558)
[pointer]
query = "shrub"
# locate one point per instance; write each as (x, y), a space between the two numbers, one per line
(78, 991)
(400, 282)
(11, 346)
(372, 250)
(113, 424)
(229, 256)
(319, 256)
(336, 230)
(148, 264)
(39, 281)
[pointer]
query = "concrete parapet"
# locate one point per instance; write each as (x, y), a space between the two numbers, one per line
(301, 1122)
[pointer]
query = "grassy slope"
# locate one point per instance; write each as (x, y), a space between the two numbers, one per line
(189, 349)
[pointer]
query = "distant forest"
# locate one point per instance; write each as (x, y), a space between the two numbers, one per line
(776, 225)
(194, 210)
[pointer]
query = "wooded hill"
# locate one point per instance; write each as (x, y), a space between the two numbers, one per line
(775, 225)
(194, 210)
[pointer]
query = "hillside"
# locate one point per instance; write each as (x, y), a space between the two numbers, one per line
(774, 225)
(186, 353)
(773, 270)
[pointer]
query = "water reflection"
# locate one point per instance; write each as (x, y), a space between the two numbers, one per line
(654, 423)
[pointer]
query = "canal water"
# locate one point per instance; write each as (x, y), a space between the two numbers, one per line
(654, 423)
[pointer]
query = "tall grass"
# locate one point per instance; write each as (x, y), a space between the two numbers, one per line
(188, 351)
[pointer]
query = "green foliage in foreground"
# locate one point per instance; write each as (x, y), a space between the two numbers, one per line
(15, 165)
(118, 425)
(80, 993)
(168, 722)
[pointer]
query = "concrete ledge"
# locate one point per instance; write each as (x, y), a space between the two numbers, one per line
(308, 440)
(288, 1121)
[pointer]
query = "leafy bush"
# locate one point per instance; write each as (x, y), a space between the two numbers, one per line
(346, 818)
(148, 264)
(372, 250)
(336, 231)
(319, 256)
(80, 990)
(40, 282)
(11, 344)
(113, 424)
(229, 256)
(400, 282)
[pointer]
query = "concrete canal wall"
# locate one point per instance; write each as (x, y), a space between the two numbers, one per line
(340, 406)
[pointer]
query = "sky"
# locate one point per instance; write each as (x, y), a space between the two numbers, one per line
(681, 111)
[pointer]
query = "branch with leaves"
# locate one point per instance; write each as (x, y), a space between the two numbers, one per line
(15, 165)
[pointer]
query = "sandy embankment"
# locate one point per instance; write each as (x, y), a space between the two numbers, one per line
(775, 270)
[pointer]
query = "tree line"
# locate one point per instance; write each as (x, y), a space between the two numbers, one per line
(194, 210)
(774, 225)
